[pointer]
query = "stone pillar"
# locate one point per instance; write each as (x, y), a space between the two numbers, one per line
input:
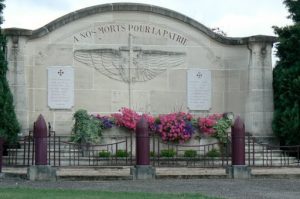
(259, 103)
(142, 170)
(16, 77)
(238, 168)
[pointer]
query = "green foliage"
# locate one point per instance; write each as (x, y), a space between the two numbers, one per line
(122, 153)
(221, 129)
(190, 153)
(286, 80)
(213, 153)
(9, 125)
(86, 129)
(294, 9)
(2, 6)
(104, 154)
(168, 153)
(152, 154)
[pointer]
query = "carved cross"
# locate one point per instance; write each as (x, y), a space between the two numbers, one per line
(199, 75)
(60, 72)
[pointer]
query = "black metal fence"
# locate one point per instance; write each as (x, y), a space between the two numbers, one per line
(120, 151)
(262, 154)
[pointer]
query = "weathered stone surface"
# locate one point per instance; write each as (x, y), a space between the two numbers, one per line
(142, 172)
(239, 172)
(41, 173)
(102, 42)
(164, 102)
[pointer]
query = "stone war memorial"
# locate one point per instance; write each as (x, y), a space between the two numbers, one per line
(143, 57)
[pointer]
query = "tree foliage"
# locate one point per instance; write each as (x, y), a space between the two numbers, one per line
(9, 126)
(286, 79)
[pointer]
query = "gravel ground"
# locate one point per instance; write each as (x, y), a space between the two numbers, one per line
(226, 188)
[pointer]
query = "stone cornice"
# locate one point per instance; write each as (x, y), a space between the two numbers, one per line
(117, 7)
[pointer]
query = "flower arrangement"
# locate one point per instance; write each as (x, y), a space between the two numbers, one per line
(175, 127)
(206, 124)
(105, 121)
(215, 125)
(126, 118)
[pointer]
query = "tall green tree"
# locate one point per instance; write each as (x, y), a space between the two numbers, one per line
(286, 79)
(9, 126)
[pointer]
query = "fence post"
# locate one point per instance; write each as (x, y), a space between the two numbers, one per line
(142, 143)
(40, 141)
(41, 171)
(238, 142)
(142, 170)
(238, 168)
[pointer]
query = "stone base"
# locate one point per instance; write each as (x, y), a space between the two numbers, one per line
(41, 173)
(142, 172)
(2, 175)
(238, 172)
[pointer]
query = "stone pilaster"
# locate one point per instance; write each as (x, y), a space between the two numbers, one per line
(16, 78)
(259, 103)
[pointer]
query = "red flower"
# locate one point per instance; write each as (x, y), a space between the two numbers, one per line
(206, 124)
(175, 127)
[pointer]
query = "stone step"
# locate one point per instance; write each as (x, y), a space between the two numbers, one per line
(80, 173)
(262, 148)
(264, 154)
(257, 153)
(88, 161)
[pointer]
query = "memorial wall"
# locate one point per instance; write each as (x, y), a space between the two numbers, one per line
(144, 57)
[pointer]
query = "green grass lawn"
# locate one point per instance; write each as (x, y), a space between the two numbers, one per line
(25, 193)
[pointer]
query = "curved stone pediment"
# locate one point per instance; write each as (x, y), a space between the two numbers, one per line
(146, 57)
(134, 7)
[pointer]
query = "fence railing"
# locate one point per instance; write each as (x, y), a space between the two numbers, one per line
(267, 155)
(184, 155)
(120, 152)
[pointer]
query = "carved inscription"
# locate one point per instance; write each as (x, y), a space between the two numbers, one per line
(100, 30)
(199, 89)
(60, 87)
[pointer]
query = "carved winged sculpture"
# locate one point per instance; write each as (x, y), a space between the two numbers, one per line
(129, 65)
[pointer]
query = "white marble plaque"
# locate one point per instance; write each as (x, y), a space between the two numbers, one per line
(60, 87)
(199, 89)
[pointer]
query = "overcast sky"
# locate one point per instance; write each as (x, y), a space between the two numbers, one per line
(237, 18)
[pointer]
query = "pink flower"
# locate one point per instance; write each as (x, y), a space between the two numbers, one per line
(206, 124)
(174, 127)
(128, 118)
